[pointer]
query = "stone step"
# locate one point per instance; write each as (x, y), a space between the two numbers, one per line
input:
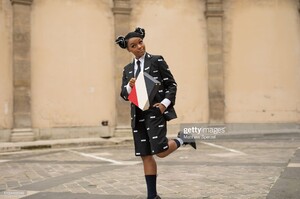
(22, 135)
(123, 132)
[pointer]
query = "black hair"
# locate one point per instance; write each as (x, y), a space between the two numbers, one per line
(122, 41)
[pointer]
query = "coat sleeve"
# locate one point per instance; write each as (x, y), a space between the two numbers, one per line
(124, 93)
(168, 81)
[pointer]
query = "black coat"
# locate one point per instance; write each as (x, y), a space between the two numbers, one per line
(156, 66)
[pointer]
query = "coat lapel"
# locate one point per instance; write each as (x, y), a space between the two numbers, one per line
(131, 70)
(147, 63)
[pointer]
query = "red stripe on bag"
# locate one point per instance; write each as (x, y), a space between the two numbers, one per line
(133, 97)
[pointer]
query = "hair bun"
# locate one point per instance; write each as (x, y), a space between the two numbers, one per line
(121, 41)
(141, 31)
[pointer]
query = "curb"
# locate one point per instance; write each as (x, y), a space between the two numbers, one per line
(65, 143)
(262, 134)
(121, 141)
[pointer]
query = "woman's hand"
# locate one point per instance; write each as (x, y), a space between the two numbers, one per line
(161, 107)
(132, 82)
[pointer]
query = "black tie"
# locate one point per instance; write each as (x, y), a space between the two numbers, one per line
(138, 69)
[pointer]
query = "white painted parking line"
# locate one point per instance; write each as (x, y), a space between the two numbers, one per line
(115, 162)
(225, 148)
(225, 155)
(293, 165)
(102, 154)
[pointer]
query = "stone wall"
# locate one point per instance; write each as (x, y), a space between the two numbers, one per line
(261, 57)
(235, 61)
(72, 63)
(176, 29)
(5, 66)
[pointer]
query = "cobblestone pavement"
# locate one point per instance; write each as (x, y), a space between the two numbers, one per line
(228, 168)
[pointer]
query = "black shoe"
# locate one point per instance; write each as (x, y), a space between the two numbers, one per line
(191, 140)
(156, 197)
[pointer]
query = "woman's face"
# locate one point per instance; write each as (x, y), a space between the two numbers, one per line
(136, 46)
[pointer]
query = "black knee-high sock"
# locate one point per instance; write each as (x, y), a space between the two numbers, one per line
(151, 186)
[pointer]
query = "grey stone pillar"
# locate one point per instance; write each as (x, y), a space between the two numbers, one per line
(22, 124)
(214, 17)
(121, 10)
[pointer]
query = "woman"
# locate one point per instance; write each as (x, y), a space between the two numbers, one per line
(149, 126)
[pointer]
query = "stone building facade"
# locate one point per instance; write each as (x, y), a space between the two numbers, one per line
(235, 61)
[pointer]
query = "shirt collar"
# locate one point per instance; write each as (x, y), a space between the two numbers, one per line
(142, 58)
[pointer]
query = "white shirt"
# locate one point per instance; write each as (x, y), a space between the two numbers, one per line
(166, 102)
(142, 61)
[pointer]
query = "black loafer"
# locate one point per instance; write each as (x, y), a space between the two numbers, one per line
(191, 140)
